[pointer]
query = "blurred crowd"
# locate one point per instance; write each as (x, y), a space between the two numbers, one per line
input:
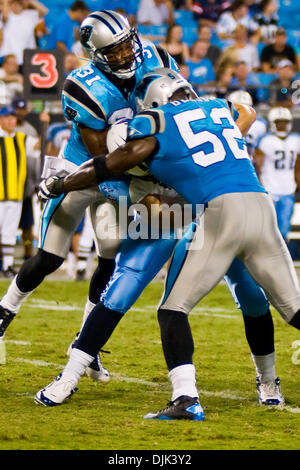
(219, 45)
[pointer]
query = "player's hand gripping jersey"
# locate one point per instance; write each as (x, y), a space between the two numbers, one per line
(91, 100)
(208, 153)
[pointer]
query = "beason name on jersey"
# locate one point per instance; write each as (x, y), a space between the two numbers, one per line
(202, 153)
(90, 99)
(277, 173)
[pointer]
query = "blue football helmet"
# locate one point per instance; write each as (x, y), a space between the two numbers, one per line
(111, 44)
(156, 87)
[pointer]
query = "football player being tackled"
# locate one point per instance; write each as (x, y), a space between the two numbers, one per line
(239, 222)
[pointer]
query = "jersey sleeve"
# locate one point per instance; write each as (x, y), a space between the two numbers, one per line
(50, 133)
(80, 106)
(146, 124)
(262, 143)
(164, 59)
(232, 109)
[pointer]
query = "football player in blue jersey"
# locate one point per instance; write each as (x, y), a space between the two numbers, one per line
(231, 180)
(93, 98)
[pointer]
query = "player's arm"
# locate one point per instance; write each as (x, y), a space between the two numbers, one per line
(246, 117)
(94, 140)
(87, 113)
(116, 163)
(100, 168)
(258, 159)
(297, 170)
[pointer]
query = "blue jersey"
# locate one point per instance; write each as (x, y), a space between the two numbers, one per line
(201, 152)
(57, 133)
(91, 100)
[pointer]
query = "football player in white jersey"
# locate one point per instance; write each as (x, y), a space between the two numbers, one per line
(258, 128)
(275, 158)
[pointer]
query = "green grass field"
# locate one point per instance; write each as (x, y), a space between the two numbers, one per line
(110, 416)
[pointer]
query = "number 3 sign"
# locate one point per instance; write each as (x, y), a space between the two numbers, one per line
(43, 72)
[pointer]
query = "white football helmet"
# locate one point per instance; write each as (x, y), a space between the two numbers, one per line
(240, 97)
(280, 114)
(102, 33)
(155, 88)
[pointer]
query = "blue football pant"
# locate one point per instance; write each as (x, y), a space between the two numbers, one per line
(284, 206)
(139, 261)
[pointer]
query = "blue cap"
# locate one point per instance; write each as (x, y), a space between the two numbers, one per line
(19, 103)
(7, 111)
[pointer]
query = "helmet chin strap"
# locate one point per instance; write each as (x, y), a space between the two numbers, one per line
(281, 133)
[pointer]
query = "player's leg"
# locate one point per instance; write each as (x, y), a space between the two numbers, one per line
(259, 330)
(191, 275)
(109, 222)
(60, 218)
(26, 225)
(85, 247)
(10, 223)
(271, 265)
(105, 225)
(137, 264)
(229, 227)
(284, 207)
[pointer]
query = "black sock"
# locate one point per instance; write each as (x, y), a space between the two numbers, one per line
(295, 321)
(176, 337)
(100, 278)
(34, 270)
(97, 329)
(260, 334)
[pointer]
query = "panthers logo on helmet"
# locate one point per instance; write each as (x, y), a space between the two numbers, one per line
(102, 34)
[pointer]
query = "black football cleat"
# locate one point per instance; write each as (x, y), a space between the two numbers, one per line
(183, 407)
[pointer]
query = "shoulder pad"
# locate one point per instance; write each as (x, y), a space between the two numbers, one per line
(80, 95)
(163, 57)
(147, 123)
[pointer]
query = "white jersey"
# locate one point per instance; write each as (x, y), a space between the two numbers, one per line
(277, 173)
(256, 131)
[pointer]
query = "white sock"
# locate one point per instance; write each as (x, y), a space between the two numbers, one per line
(81, 265)
(14, 298)
(77, 364)
(87, 310)
(183, 379)
(7, 262)
(265, 367)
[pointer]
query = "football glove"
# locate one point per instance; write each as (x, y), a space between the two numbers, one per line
(50, 188)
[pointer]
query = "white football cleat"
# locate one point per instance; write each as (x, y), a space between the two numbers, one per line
(57, 391)
(269, 393)
(97, 372)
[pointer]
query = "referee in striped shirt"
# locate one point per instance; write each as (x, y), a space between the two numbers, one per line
(15, 150)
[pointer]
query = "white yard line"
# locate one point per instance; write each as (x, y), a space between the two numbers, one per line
(204, 312)
(69, 308)
(66, 308)
(22, 343)
(226, 394)
(53, 305)
(216, 315)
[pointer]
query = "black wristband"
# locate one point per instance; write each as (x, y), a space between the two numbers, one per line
(101, 170)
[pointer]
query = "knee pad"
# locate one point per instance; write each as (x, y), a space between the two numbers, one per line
(34, 270)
